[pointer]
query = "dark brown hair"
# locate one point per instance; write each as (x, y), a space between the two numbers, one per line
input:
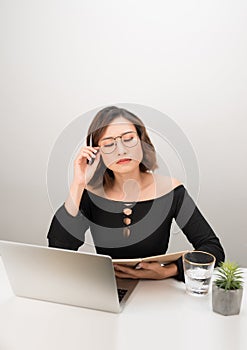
(97, 128)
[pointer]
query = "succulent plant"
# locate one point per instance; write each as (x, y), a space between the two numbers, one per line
(229, 276)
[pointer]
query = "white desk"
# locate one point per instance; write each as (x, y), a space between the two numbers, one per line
(158, 313)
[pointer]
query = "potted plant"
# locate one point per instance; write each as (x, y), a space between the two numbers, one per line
(227, 289)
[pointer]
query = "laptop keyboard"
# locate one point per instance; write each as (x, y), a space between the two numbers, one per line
(121, 293)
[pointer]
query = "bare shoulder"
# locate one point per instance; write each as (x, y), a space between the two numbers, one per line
(175, 183)
(165, 184)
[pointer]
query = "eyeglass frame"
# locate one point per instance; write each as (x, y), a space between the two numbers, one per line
(119, 136)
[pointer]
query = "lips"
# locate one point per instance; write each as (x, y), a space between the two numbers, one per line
(123, 161)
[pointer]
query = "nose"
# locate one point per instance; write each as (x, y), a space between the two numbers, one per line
(120, 147)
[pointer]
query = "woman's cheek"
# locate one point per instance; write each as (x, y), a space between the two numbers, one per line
(108, 160)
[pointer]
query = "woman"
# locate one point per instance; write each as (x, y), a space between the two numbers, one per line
(128, 208)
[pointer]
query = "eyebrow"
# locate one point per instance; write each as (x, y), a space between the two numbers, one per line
(111, 137)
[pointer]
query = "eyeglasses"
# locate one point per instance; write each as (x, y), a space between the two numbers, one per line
(127, 221)
(129, 139)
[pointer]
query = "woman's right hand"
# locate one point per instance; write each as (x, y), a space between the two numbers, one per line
(83, 172)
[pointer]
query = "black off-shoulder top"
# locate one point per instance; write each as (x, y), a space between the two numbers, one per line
(148, 227)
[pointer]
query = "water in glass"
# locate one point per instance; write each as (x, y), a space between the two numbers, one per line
(197, 281)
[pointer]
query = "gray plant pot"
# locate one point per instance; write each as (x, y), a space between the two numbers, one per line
(226, 302)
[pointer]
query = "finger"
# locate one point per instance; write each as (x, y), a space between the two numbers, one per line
(91, 152)
(128, 271)
(89, 149)
(124, 275)
(123, 268)
(82, 156)
(85, 153)
(149, 265)
(96, 159)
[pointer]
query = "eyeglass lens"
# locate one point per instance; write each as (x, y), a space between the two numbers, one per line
(129, 139)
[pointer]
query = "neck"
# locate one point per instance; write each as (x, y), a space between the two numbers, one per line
(129, 185)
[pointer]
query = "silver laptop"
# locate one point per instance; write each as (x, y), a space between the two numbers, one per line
(65, 276)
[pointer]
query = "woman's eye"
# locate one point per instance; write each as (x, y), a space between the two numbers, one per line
(108, 144)
(128, 139)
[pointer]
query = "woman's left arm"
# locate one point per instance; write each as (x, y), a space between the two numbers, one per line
(197, 230)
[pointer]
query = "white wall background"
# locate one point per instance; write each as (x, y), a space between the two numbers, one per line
(60, 59)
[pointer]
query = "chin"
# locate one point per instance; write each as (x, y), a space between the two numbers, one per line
(124, 168)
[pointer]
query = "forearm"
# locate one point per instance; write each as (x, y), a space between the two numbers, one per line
(72, 203)
(67, 231)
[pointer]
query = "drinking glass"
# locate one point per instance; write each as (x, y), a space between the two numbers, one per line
(198, 270)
